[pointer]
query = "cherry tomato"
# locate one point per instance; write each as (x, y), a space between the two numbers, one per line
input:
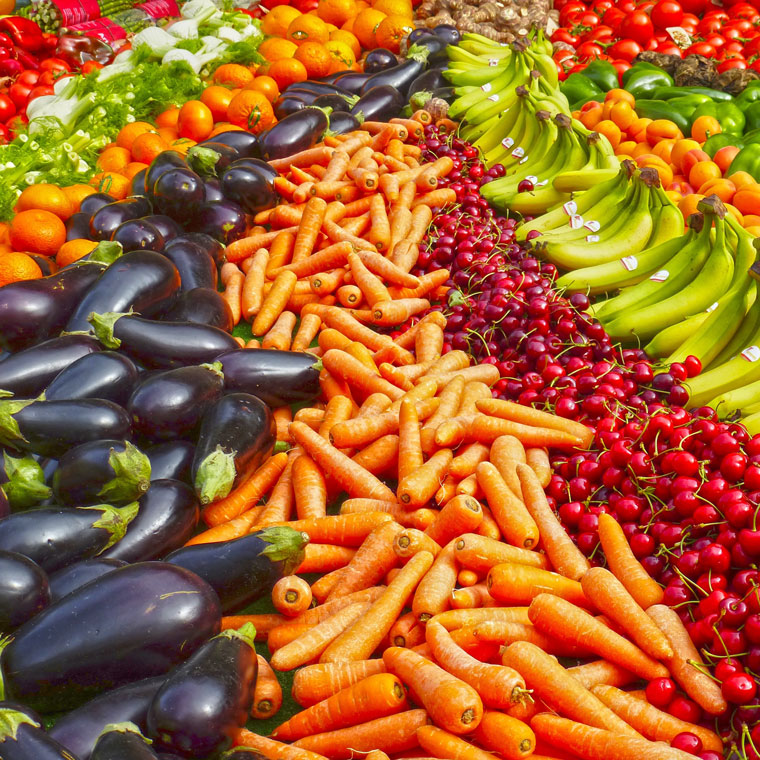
(5, 134)
(627, 50)
(571, 13)
(744, 11)
(36, 92)
(700, 48)
(589, 50)
(667, 13)
(755, 65)
(732, 63)
(622, 66)
(733, 47)
(669, 48)
(602, 34)
(637, 26)
(697, 7)
(563, 55)
(19, 94)
(730, 55)
(7, 108)
(627, 6)
(28, 78)
(612, 17)
(589, 18)
(91, 66)
(716, 40)
(563, 35)
(752, 47)
(602, 6)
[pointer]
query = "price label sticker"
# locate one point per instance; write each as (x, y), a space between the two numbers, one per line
(751, 354)
(592, 225)
(532, 179)
(507, 143)
(630, 263)
(493, 98)
(592, 238)
(541, 183)
(493, 62)
(660, 276)
(570, 208)
(523, 160)
(486, 87)
(712, 307)
(518, 153)
(576, 221)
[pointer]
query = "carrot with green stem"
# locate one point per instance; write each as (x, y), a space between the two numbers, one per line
(462, 514)
(481, 553)
(323, 558)
(433, 594)
(368, 282)
(272, 749)
(379, 457)
(445, 744)
(512, 583)
(267, 694)
(602, 672)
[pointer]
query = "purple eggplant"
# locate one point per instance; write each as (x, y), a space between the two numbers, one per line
(381, 103)
(55, 537)
(79, 729)
(418, 34)
(293, 134)
(342, 122)
(249, 188)
(107, 219)
(403, 74)
(139, 235)
(137, 185)
(213, 190)
(75, 576)
(170, 404)
(31, 370)
(168, 228)
(379, 59)
(123, 741)
(166, 519)
(93, 202)
(105, 375)
(178, 193)
(237, 433)
(161, 345)
(171, 460)
(50, 428)
(317, 87)
(430, 80)
(335, 102)
(244, 569)
(259, 166)
(24, 590)
(448, 33)
(78, 226)
(144, 281)
(245, 143)
(161, 164)
(211, 159)
(204, 306)
(113, 471)
(210, 244)
(133, 623)
(353, 81)
(23, 481)
(23, 738)
(277, 377)
(286, 105)
(222, 220)
(204, 701)
(196, 267)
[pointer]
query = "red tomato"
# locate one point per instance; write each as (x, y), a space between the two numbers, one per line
(669, 48)
(7, 108)
(589, 50)
(601, 33)
(589, 18)
(621, 66)
(612, 17)
(563, 55)
(716, 40)
(697, 7)
(54, 64)
(563, 35)
(28, 77)
(44, 89)
(667, 13)
(744, 11)
(602, 6)
(19, 94)
(570, 14)
(744, 26)
(733, 47)
(752, 47)
(637, 26)
(626, 50)
(755, 65)
(732, 63)
(700, 48)
(5, 134)
(91, 66)
(627, 6)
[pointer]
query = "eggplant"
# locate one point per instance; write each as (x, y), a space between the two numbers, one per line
(144, 281)
(107, 219)
(91, 203)
(353, 81)
(139, 235)
(202, 704)
(257, 165)
(417, 34)
(294, 133)
(342, 122)
(34, 310)
(75, 576)
(287, 105)
(168, 228)
(448, 33)
(105, 375)
(222, 220)
(245, 143)
(111, 471)
(24, 481)
(55, 537)
(237, 434)
(162, 163)
(429, 80)
(382, 103)
(242, 753)
(78, 226)
(336, 102)
(51, 428)
(123, 741)
(171, 460)
(210, 244)
(135, 622)
(179, 193)
(47, 265)
(162, 345)
(317, 87)
(249, 188)
(244, 569)
(137, 185)
(166, 519)
(5, 507)
(211, 159)
(404, 73)
(79, 729)
(23, 738)
(196, 268)
(380, 59)
(24, 590)
(278, 378)
(330, 78)
(213, 190)
(204, 306)
(28, 372)
(170, 404)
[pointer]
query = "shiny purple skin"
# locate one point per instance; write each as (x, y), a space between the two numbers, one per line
(75, 576)
(139, 235)
(178, 193)
(210, 244)
(294, 133)
(381, 59)
(107, 219)
(28, 372)
(24, 590)
(34, 310)
(133, 623)
(196, 267)
(245, 143)
(171, 460)
(204, 701)
(105, 375)
(399, 76)
(32, 743)
(380, 103)
(204, 306)
(122, 745)
(248, 187)
(222, 220)
(79, 729)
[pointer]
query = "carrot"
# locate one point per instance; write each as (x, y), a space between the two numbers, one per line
(505, 632)
(481, 553)
(428, 342)
(233, 281)
(610, 596)
(274, 302)
(598, 672)
(623, 563)
(433, 594)
(267, 695)
(283, 416)
(306, 332)
(333, 256)
(450, 702)
(274, 750)
(489, 527)
(597, 744)
(389, 186)
(253, 343)
(389, 313)
(506, 453)
(395, 733)
(508, 736)
(474, 595)
(450, 398)
(325, 584)
(405, 255)
(291, 595)
(462, 514)
(359, 641)
(423, 392)
(418, 518)
(324, 283)
(380, 231)
(366, 179)
(380, 456)
(389, 131)
(281, 333)
(466, 578)
(538, 461)
(566, 622)
(247, 493)
(338, 409)
(453, 361)
(387, 270)
(406, 632)
(410, 541)
(349, 296)
(318, 155)
(520, 584)
(446, 745)
(564, 555)
(283, 634)
(253, 287)
(309, 489)
(447, 491)
(340, 530)
(344, 366)
(353, 478)
(308, 229)
(226, 531)
(369, 283)
(322, 558)
(435, 198)
(485, 429)
(374, 697)
(330, 338)
(686, 664)
(410, 448)
(281, 500)
(652, 723)
(469, 487)
(281, 250)
(314, 683)
(563, 693)
(401, 222)
(395, 376)
(360, 352)
(453, 619)
(418, 487)
(337, 166)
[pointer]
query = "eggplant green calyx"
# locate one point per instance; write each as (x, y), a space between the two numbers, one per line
(104, 324)
(26, 482)
(11, 721)
(215, 476)
(285, 545)
(246, 633)
(132, 475)
(115, 520)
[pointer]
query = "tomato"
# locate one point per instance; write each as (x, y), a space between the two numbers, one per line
(697, 7)
(729, 55)
(744, 26)
(19, 94)
(733, 47)
(637, 26)
(700, 48)
(627, 50)
(732, 63)
(755, 65)
(571, 13)
(5, 134)
(589, 50)
(602, 33)
(744, 11)
(715, 40)
(589, 18)
(44, 89)
(602, 6)
(89, 66)
(28, 77)
(563, 55)
(613, 17)
(752, 47)
(669, 48)
(563, 35)
(627, 6)
(621, 66)
(7, 108)
(54, 64)
(667, 13)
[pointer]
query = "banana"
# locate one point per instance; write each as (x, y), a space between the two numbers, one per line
(473, 132)
(537, 201)
(523, 133)
(736, 400)
(669, 224)
(752, 423)
(486, 71)
(740, 339)
(670, 338)
(582, 179)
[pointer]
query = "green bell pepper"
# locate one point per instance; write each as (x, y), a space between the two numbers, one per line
(579, 89)
(729, 116)
(747, 160)
(716, 142)
(603, 74)
(752, 116)
(750, 137)
(749, 95)
(641, 80)
(666, 93)
(674, 110)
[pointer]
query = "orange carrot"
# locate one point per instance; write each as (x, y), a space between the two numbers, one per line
(435, 198)
(624, 565)
(291, 595)
(396, 376)
(359, 641)
(474, 595)
(485, 429)
(410, 541)
(253, 287)
(322, 558)
(274, 302)
(324, 283)
(433, 594)
(281, 500)
(467, 578)
(280, 334)
(226, 531)
(233, 291)
(469, 487)
(274, 750)
(520, 584)
(401, 222)
(405, 255)
(283, 634)
(462, 514)
(309, 489)
(267, 694)
(338, 409)
(506, 453)
(447, 491)
(306, 332)
(406, 632)
(314, 683)
(506, 632)
(417, 518)
(602, 672)
(686, 664)
(538, 461)
(387, 270)
(344, 366)
(418, 487)
(389, 313)
(410, 448)
(369, 283)
(340, 530)
(247, 246)
(389, 186)
(263, 623)
(380, 456)
(283, 416)
(489, 527)
(453, 619)
(450, 399)
(444, 744)
(428, 342)
(318, 155)
(380, 232)
(311, 222)
(333, 256)
(481, 553)
(349, 296)
(506, 735)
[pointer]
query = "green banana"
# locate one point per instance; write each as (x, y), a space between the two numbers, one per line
(670, 338)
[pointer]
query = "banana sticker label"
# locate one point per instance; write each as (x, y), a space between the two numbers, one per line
(493, 98)
(518, 153)
(486, 87)
(507, 142)
(713, 307)
(592, 238)
(630, 263)
(570, 208)
(493, 61)
(660, 276)
(523, 160)
(576, 222)
(751, 354)
(592, 225)
(536, 182)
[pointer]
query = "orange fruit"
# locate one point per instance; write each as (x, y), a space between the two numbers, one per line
(16, 266)
(391, 30)
(37, 231)
(5, 233)
(265, 85)
(365, 26)
(147, 146)
(233, 74)
(132, 168)
(168, 118)
(49, 198)
(251, 110)
(316, 58)
(307, 28)
(225, 126)
(218, 98)
(167, 134)
(287, 72)
(73, 250)
(703, 171)
(196, 120)
(341, 35)
(275, 49)
(76, 194)
(182, 145)
(130, 132)
(116, 185)
(704, 126)
(395, 8)
(336, 11)
(342, 57)
(276, 22)
(113, 159)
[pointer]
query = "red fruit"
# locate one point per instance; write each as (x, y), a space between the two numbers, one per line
(660, 692)
(685, 709)
(687, 742)
(739, 689)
